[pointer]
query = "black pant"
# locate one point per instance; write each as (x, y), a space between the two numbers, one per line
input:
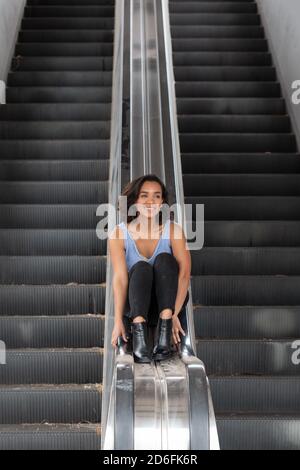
(152, 289)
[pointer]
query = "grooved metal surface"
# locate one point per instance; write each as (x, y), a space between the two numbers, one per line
(51, 437)
(54, 171)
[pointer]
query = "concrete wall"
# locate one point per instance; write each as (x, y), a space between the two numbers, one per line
(11, 13)
(281, 19)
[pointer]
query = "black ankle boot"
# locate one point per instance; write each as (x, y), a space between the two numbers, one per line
(162, 349)
(139, 343)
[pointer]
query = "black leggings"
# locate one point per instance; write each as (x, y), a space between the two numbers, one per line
(152, 289)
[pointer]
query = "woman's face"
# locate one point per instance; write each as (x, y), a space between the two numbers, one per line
(149, 199)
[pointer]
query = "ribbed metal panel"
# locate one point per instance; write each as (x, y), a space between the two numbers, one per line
(38, 242)
(50, 437)
(68, 216)
(246, 290)
(52, 300)
(50, 270)
(80, 331)
(259, 432)
(50, 403)
(52, 366)
(238, 357)
(264, 394)
(234, 322)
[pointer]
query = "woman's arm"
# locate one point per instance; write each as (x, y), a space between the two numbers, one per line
(120, 282)
(183, 257)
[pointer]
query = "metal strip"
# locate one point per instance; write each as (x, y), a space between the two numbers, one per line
(174, 404)
(147, 413)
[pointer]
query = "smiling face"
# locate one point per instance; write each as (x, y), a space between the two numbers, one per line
(150, 199)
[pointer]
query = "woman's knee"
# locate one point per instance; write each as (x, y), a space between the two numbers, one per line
(142, 268)
(166, 261)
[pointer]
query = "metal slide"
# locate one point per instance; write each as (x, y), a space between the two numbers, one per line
(163, 405)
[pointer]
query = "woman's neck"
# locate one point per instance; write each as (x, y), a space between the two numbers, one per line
(146, 226)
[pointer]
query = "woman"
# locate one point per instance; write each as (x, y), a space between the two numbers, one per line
(152, 267)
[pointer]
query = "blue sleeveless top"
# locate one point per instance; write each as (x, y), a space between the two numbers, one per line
(132, 253)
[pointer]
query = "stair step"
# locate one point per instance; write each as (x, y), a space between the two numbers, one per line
(193, 163)
(56, 64)
(69, 11)
(49, 403)
(206, 31)
(238, 142)
(45, 216)
(56, 112)
(68, 22)
(227, 89)
(52, 366)
(40, 270)
(225, 73)
(60, 79)
(246, 290)
(241, 184)
(222, 58)
(214, 19)
(70, 35)
(55, 149)
(52, 300)
(72, 331)
(219, 44)
(70, 2)
(256, 394)
(50, 437)
(220, 7)
(68, 49)
(255, 357)
(259, 431)
(59, 94)
(51, 242)
(246, 261)
(53, 170)
(232, 105)
(247, 322)
(233, 123)
(62, 192)
(252, 233)
(247, 207)
(54, 130)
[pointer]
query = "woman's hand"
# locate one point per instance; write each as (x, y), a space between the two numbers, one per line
(176, 329)
(119, 330)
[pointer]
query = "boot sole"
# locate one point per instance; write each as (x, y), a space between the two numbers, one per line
(141, 361)
(160, 357)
